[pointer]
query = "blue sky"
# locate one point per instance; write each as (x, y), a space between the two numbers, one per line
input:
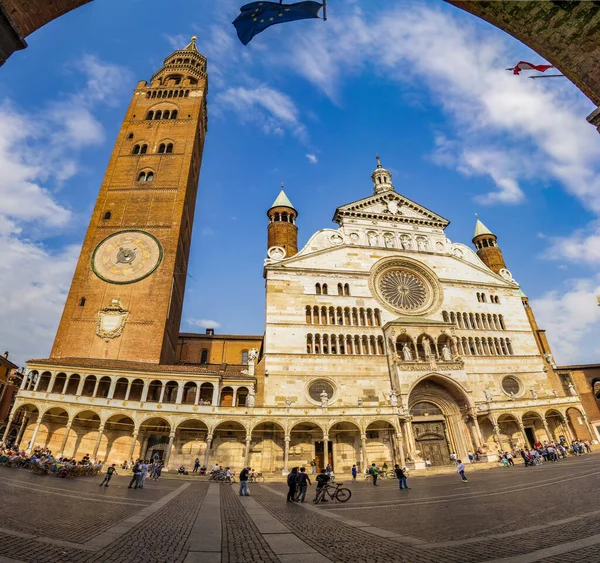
(308, 104)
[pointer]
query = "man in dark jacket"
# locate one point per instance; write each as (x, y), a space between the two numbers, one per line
(302, 482)
(291, 481)
(401, 476)
(137, 474)
(244, 482)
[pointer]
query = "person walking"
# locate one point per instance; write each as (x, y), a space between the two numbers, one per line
(291, 481)
(322, 480)
(145, 468)
(302, 482)
(109, 473)
(328, 469)
(157, 471)
(313, 466)
(196, 466)
(244, 474)
(137, 472)
(354, 470)
(374, 473)
(460, 469)
(401, 476)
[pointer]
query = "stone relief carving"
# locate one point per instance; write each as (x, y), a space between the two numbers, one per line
(372, 238)
(324, 398)
(488, 395)
(534, 393)
(251, 400)
(111, 320)
(446, 354)
(572, 390)
(550, 359)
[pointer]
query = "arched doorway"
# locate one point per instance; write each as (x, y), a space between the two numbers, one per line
(436, 405)
(344, 447)
(154, 438)
(85, 427)
(190, 443)
(510, 433)
(534, 428)
(118, 433)
(229, 446)
(303, 437)
(577, 424)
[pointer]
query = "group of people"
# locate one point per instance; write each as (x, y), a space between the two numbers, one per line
(545, 452)
(142, 469)
(298, 481)
(42, 460)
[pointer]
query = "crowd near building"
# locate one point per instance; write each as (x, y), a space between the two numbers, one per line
(384, 341)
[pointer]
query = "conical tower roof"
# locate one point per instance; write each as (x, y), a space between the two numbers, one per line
(282, 201)
(481, 229)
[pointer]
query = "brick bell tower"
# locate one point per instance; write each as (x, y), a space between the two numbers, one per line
(282, 230)
(486, 244)
(126, 297)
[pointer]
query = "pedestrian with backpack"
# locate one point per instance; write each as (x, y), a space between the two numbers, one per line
(374, 473)
(401, 476)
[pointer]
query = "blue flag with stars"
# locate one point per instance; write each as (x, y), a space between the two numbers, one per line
(257, 16)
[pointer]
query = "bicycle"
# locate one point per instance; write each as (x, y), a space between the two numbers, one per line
(258, 478)
(335, 492)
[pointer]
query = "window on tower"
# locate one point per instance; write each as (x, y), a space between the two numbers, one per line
(150, 177)
(173, 114)
(166, 114)
(143, 149)
(150, 115)
(158, 115)
(161, 148)
(245, 357)
(107, 215)
(169, 148)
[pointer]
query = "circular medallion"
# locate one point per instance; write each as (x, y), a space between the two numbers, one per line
(127, 257)
(405, 286)
(511, 385)
(506, 274)
(276, 253)
(317, 387)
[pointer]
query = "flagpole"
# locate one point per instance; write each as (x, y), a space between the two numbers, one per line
(546, 76)
(324, 10)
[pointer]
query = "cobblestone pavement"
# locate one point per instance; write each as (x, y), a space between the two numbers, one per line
(517, 515)
(241, 541)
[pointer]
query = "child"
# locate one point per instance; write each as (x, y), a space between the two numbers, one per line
(354, 473)
(428, 464)
(109, 473)
(460, 469)
(505, 462)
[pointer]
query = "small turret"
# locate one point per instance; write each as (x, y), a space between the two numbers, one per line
(282, 230)
(486, 244)
(382, 179)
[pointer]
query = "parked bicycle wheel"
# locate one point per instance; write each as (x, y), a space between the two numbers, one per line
(342, 495)
(319, 496)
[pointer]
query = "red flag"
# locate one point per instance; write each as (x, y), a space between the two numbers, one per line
(522, 65)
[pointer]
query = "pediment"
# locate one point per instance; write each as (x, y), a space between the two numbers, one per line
(390, 206)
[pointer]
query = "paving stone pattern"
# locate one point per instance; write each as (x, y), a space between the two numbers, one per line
(241, 540)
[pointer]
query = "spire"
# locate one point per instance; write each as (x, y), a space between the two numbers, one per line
(184, 63)
(382, 179)
(282, 201)
(192, 45)
(480, 228)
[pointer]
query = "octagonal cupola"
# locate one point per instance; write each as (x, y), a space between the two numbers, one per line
(382, 179)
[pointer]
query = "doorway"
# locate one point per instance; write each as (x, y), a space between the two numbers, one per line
(320, 455)
(529, 432)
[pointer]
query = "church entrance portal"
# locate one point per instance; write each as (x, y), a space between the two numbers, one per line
(320, 455)
(529, 432)
(431, 442)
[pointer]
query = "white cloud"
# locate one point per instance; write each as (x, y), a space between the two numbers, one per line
(582, 246)
(572, 320)
(38, 152)
(312, 158)
(272, 110)
(203, 323)
(542, 121)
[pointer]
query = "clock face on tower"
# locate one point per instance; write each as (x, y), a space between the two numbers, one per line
(126, 257)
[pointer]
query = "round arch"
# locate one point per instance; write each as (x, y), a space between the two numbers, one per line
(228, 445)
(117, 439)
(153, 435)
(267, 449)
(190, 443)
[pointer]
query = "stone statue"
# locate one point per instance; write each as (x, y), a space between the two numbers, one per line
(288, 402)
(572, 390)
(252, 356)
(393, 398)
(534, 393)
(550, 359)
(251, 398)
(406, 352)
(488, 395)
(446, 354)
(555, 393)
(422, 243)
(405, 242)
(389, 240)
(372, 238)
(324, 398)
(360, 401)
(426, 347)
(512, 396)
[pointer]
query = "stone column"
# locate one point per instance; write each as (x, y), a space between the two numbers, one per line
(565, 422)
(24, 382)
(145, 390)
(21, 429)
(132, 447)
(286, 454)
(169, 448)
(325, 450)
(525, 439)
(410, 438)
(247, 451)
(215, 399)
(64, 442)
(498, 436)
(162, 396)
(234, 396)
(111, 389)
(80, 386)
(363, 445)
(547, 430)
(589, 427)
(478, 436)
(209, 439)
(7, 429)
(400, 449)
(96, 386)
(64, 389)
(98, 440)
(179, 397)
(34, 435)
(197, 398)
(51, 384)
(128, 391)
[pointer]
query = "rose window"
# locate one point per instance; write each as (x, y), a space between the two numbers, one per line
(403, 289)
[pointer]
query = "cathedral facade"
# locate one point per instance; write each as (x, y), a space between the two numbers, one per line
(384, 341)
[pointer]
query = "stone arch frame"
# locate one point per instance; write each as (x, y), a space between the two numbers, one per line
(109, 439)
(536, 417)
(579, 431)
(515, 438)
(446, 380)
(269, 420)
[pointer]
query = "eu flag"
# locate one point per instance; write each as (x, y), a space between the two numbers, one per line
(257, 16)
